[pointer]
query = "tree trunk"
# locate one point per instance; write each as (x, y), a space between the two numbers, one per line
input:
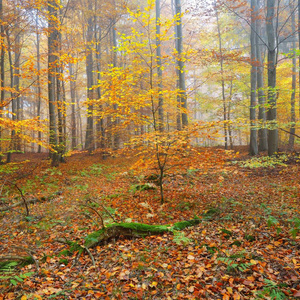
(61, 110)
(229, 117)
(159, 69)
(293, 95)
(299, 49)
(13, 98)
(222, 80)
(116, 143)
(89, 139)
(262, 132)
(16, 77)
(52, 63)
(2, 75)
(100, 122)
(180, 64)
(39, 89)
(73, 107)
(253, 129)
(272, 62)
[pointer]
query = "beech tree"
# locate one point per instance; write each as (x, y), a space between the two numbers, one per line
(253, 130)
(52, 64)
(180, 67)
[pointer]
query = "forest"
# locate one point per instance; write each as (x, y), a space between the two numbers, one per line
(149, 149)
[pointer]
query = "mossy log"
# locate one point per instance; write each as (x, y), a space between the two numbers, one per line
(130, 230)
(9, 262)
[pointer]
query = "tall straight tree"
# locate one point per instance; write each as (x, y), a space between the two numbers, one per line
(272, 95)
(14, 63)
(293, 95)
(2, 70)
(262, 132)
(116, 139)
(253, 129)
(52, 62)
(73, 106)
(89, 138)
(299, 49)
(159, 68)
(39, 88)
(222, 78)
(180, 64)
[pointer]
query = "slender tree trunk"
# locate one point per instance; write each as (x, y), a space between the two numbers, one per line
(17, 52)
(229, 117)
(52, 63)
(272, 62)
(89, 139)
(178, 110)
(293, 95)
(222, 80)
(61, 110)
(73, 107)
(2, 75)
(13, 98)
(262, 132)
(253, 129)
(159, 69)
(100, 122)
(299, 50)
(115, 64)
(79, 118)
(39, 89)
(180, 64)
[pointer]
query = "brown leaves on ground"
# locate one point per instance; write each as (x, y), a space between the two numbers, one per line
(243, 248)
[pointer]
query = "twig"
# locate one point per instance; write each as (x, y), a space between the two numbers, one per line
(108, 212)
(22, 196)
(296, 135)
(94, 210)
(30, 253)
(90, 254)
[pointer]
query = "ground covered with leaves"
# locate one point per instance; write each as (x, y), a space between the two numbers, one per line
(246, 245)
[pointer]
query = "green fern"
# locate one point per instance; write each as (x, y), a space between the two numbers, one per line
(180, 238)
(233, 264)
(272, 291)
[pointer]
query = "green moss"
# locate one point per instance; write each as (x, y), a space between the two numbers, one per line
(185, 224)
(93, 237)
(115, 230)
(145, 227)
(10, 265)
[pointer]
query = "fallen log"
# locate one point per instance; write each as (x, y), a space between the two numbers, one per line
(10, 261)
(131, 230)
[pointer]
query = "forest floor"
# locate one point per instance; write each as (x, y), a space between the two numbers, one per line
(247, 245)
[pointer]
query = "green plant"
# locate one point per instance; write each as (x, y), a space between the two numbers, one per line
(15, 279)
(9, 168)
(263, 162)
(272, 291)
(82, 187)
(233, 264)
(191, 172)
(180, 238)
(295, 223)
(52, 171)
(184, 205)
(142, 187)
(210, 213)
